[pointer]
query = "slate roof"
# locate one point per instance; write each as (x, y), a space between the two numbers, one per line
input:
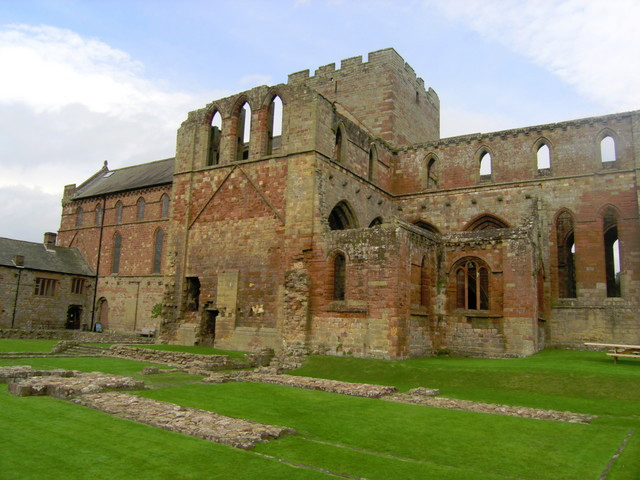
(38, 257)
(127, 178)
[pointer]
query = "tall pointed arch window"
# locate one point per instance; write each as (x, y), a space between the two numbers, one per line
(140, 209)
(243, 132)
(485, 165)
(117, 250)
(274, 125)
(566, 252)
(339, 276)
(340, 145)
(543, 160)
(432, 172)
(215, 137)
(165, 205)
(373, 158)
(157, 251)
(611, 252)
(99, 214)
(472, 285)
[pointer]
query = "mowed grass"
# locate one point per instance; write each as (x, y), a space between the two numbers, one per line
(347, 435)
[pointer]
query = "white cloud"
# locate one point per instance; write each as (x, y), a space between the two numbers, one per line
(591, 45)
(67, 103)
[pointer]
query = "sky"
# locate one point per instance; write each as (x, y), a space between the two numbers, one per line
(83, 82)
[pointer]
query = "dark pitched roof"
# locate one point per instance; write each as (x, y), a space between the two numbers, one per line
(128, 178)
(38, 257)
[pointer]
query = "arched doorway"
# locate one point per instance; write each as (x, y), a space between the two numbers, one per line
(103, 313)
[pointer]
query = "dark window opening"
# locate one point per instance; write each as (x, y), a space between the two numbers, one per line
(77, 285)
(426, 226)
(373, 156)
(375, 222)
(192, 288)
(566, 253)
(612, 253)
(213, 156)
(338, 152)
(342, 218)
(45, 287)
(74, 314)
(117, 248)
(157, 254)
(486, 222)
(140, 206)
(432, 174)
(339, 277)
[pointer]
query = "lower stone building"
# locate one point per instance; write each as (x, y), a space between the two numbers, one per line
(44, 286)
(327, 215)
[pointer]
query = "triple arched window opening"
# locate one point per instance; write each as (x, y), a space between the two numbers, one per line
(240, 125)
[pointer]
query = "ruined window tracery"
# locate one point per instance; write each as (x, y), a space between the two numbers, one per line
(611, 252)
(472, 285)
(215, 136)
(566, 251)
(432, 173)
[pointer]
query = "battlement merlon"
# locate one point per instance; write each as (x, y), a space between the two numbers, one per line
(387, 57)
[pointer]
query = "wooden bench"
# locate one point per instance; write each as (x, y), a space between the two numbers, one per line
(618, 351)
(148, 332)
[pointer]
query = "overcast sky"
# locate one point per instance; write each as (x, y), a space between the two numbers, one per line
(82, 82)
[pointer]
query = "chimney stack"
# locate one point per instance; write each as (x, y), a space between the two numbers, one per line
(50, 239)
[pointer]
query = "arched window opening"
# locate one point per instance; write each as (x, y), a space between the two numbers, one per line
(157, 253)
(375, 222)
(607, 149)
(215, 136)
(373, 158)
(243, 132)
(79, 214)
(486, 222)
(611, 253)
(342, 217)
(119, 212)
(544, 159)
(432, 174)
(472, 286)
(426, 226)
(339, 276)
(274, 125)
(99, 214)
(117, 249)
(140, 207)
(566, 254)
(485, 166)
(165, 206)
(103, 314)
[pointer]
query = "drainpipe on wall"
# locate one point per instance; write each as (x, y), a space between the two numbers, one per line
(95, 287)
(19, 263)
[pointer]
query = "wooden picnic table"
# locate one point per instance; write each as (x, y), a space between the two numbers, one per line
(617, 350)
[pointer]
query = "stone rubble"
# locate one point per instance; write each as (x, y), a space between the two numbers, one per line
(210, 426)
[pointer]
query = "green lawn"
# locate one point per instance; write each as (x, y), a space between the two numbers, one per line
(48, 438)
